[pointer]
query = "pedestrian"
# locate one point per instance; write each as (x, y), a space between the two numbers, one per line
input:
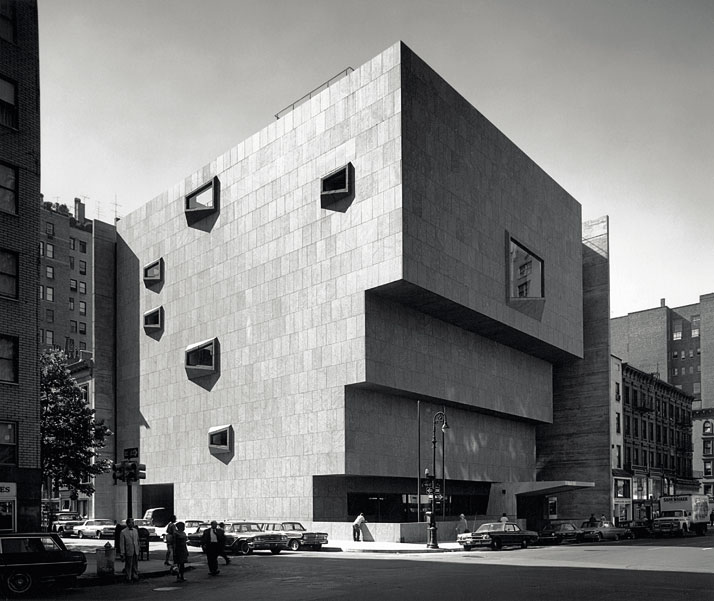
(462, 526)
(504, 519)
(357, 527)
(593, 520)
(170, 531)
(603, 518)
(180, 550)
(222, 553)
(711, 518)
(213, 540)
(129, 549)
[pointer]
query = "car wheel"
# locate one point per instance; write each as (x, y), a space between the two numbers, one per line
(19, 583)
(496, 544)
(81, 534)
(617, 537)
(579, 538)
(99, 534)
(241, 548)
(524, 544)
(275, 550)
(599, 536)
(294, 544)
(467, 547)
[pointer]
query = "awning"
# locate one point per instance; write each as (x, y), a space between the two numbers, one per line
(551, 487)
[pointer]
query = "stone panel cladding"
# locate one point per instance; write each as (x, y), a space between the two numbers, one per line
(577, 445)
(466, 188)
(417, 354)
(281, 283)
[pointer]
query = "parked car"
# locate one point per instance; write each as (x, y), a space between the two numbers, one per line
(193, 535)
(604, 530)
(298, 535)
(64, 523)
(243, 538)
(190, 525)
(27, 559)
(639, 528)
(95, 529)
(497, 535)
(146, 525)
(556, 534)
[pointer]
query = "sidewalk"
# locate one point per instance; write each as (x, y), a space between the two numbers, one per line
(154, 566)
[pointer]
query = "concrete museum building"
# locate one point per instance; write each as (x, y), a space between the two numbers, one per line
(285, 313)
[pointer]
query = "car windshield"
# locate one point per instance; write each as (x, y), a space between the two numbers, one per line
(490, 527)
(293, 526)
(246, 527)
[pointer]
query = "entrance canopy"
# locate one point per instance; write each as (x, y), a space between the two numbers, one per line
(532, 489)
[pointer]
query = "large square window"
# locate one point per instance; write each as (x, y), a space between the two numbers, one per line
(8, 189)
(8, 273)
(8, 358)
(526, 272)
(203, 201)
(202, 358)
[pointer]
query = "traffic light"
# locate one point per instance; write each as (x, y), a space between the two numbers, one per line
(140, 471)
(135, 471)
(119, 471)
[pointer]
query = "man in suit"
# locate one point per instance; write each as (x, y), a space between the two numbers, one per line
(129, 548)
(213, 540)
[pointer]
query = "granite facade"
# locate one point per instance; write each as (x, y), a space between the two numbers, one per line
(332, 324)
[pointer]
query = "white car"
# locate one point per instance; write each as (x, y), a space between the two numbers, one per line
(95, 529)
(146, 525)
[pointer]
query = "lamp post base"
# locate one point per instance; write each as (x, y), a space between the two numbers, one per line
(432, 544)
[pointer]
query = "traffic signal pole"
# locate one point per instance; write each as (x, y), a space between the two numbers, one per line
(129, 514)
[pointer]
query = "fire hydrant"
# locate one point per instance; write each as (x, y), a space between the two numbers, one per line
(105, 560)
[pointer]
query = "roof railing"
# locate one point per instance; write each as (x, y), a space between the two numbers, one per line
(314, 92)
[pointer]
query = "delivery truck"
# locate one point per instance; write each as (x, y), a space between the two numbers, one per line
(681, 514)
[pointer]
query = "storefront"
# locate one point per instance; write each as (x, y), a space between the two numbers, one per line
(8, 506)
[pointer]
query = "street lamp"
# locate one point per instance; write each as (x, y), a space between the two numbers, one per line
(439, 417)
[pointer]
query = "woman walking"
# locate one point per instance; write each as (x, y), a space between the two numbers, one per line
(180, 550)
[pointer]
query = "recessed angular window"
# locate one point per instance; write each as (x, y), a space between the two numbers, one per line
(154, 272)
(203, 201)
(154, 319)
(202, 358)
(220, 439)
(337, 186)
(526, 272)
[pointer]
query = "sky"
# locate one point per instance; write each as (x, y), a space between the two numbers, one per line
(614, 99)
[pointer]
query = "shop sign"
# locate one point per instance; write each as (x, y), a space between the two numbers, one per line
(8, 490)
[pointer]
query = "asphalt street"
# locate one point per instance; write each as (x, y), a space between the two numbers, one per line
(651, 570)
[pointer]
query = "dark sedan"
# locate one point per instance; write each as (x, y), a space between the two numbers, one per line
(27, 559)
(604, 530)
(560, 533)
(497, 535)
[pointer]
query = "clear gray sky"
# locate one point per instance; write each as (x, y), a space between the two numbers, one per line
(613, 98)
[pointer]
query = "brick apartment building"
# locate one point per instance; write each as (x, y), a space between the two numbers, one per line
(20, 473)
(678, 344)
(77, 295)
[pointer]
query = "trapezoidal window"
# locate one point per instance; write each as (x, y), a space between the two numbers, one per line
(524, 279)
(337, 186)
(202, 358)
(220, 439)
(203, 201)
(154, 320)
(154, 272)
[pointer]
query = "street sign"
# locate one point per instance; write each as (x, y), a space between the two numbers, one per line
(131, 453)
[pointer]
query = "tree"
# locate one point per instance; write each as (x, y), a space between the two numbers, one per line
(71, 436)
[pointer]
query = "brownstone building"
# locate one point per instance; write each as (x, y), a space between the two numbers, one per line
(19, 237)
